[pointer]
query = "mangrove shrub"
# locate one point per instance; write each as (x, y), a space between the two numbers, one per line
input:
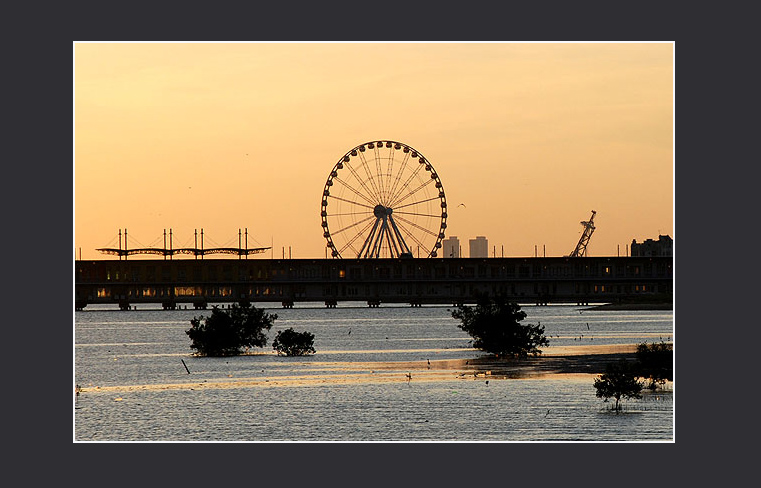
(655, 363)
(494, 324)
(228, 332)
(619, 381)
(288, 342)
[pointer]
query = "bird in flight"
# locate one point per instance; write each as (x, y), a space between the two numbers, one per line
(462, 205)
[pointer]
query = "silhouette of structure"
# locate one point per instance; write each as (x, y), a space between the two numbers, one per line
(195, 251)
(581, 247)
(664, 246)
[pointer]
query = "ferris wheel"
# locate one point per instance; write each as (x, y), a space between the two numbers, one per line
(383, 199)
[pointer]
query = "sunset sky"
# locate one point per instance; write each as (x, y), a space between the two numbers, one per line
(531, 137)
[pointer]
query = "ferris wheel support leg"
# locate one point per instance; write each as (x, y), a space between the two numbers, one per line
(390, 237)
(379, 242)
(366, 245)
(405, 249)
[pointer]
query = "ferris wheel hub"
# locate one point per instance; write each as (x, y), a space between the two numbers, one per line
(380, 211)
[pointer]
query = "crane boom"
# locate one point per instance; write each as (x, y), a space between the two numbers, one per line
(589, 228)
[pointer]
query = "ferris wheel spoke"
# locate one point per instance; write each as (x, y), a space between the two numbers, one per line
(366, 166)
(350, 201)
(417, 241)
(379, 173)
(355, 191)
(359, 179)
(419, 227)
(385, 178)
(400, 171)
(396, 209)
(344, 214)
(413, 192)
(396, 212)
(404, 185)
(387, 175)
(350, 243)
(352, 225)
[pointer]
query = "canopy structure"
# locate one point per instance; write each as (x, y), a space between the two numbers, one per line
(186, 250)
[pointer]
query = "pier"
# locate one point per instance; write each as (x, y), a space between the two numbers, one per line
(539, 280)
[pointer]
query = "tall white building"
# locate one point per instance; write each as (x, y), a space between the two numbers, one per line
(479, 247)
(451, 246)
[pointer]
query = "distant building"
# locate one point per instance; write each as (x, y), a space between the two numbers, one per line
(451, 247)
(479, 247)
(662, 247)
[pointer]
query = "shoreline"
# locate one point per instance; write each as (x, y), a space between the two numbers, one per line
(483, 369)
(592, 364)
(584, 361)
(576, 360)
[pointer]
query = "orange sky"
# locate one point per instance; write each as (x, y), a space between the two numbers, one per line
(226, 136)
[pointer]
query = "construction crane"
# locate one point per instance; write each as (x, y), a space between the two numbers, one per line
(581, 247)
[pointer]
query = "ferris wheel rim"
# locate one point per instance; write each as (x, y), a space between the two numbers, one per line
(385, 201)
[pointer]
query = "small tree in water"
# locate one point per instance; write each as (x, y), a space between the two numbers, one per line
(227, 333)
(495, 327)
(618, 381)
(291, 343)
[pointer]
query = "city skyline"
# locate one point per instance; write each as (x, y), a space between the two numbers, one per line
(527, 138)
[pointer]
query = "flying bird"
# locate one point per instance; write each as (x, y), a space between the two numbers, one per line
(462, 205)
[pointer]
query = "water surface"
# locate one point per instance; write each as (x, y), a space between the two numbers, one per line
(379, 374)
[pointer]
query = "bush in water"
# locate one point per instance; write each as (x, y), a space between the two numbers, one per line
(495, 327)
(291, 343)
(227, 333)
